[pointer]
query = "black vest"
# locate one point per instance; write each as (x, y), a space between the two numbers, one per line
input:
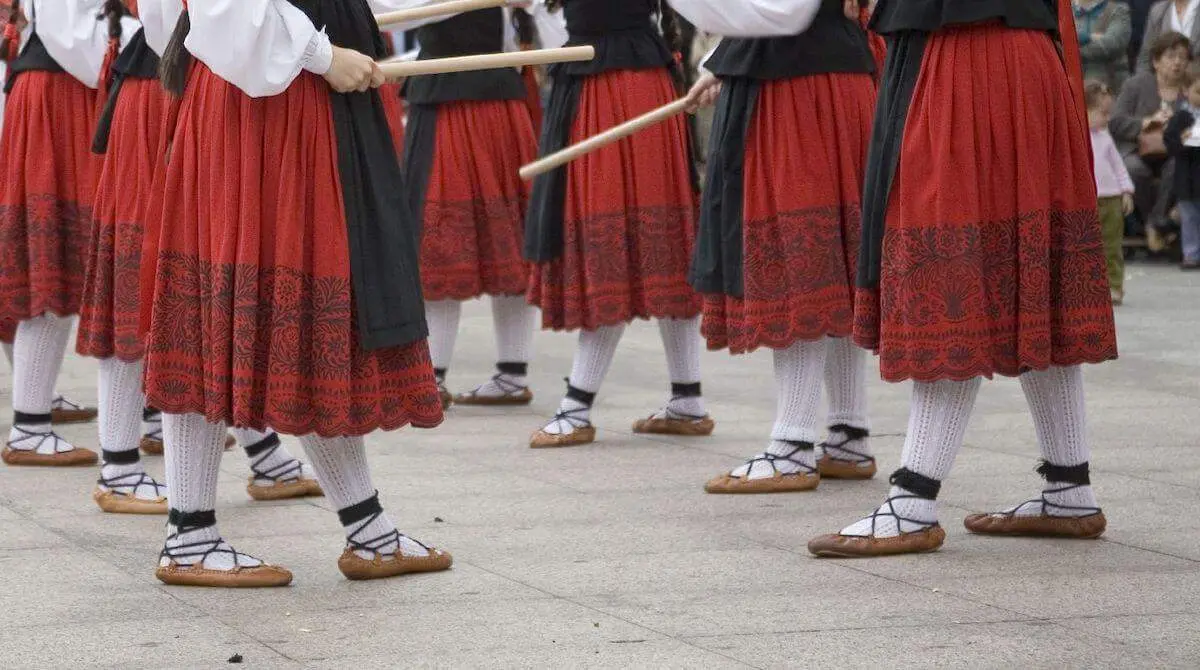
(622, 31)
(833, 43)
(477, 32)
(33, 57)
(893, 16)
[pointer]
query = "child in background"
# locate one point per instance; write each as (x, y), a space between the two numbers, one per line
(1182, 138)
(1114, 188)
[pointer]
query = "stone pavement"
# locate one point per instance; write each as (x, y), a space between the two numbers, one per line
(612, 556)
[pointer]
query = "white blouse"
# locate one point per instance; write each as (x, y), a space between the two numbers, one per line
(261, 46)
(74, 35)
(158, 20)
(749, 18)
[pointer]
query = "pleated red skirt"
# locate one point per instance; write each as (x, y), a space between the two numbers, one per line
(630, 214)
(806, 152)
(253, 320)
(474, 215)
(110, 316)
(992, 258)
(45, 195)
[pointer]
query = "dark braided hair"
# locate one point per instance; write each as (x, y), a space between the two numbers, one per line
(176, 61)
(112, 12)
(524, 27)
(668, 22)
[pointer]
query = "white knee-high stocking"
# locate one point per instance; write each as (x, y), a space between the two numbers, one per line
(192, 447)
(443, 317)
(1056, 400)
(38, 352)
(342, 470)
(682, 342)
(937, 423)
(593, 357)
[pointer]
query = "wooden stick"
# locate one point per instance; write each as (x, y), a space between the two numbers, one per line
(559, 158)
(430, 11)
(486, 61)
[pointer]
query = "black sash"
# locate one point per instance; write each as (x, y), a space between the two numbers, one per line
(137, 61)
(381, 231)
(717, 263)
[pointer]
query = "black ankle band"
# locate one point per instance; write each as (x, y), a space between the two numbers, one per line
(440, 373)
(512, 368)
(187, 521)
(359, 511)
(802, 446)
(916, 483)
(851, 432)
(151, 414)
(27, 419)
(685, 390)
(269, 442)
(128, 457)
(1065, 474)
(579, 395)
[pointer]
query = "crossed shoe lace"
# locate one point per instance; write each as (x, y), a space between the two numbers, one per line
(771, 459)
(888, 511)
(1047, 507)
(130, 484)
(32, 440)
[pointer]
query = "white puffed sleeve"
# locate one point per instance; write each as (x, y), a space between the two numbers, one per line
(551, 26)
(260, 46)
(382, 6)
(74, 36)
(158, 20)
(749, 18)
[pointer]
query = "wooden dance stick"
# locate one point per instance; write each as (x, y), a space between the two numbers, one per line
(430, 11)
(559, 158)
(486, 61)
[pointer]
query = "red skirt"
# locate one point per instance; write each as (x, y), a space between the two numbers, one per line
(110, 317)
(253, 319)
(806, 150)
(630, 214)
(474, 216)
(992, 257)
(46, 194)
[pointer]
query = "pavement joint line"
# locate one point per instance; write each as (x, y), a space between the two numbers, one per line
(852, 629)
(614, 616)
(1149, 550)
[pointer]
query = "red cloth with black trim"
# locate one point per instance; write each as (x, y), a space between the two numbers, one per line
(254, 321)
(46, 194)
(805, 156)
(389, 94)
(992, 258)
(110, 316)
(630, 214)
(474, 216)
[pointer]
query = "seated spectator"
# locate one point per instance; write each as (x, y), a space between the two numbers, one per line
(1146, 103)
(1170, 16)
(1104, 32)
(1182, 136)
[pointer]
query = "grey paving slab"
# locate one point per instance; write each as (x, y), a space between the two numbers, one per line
(620, 534)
